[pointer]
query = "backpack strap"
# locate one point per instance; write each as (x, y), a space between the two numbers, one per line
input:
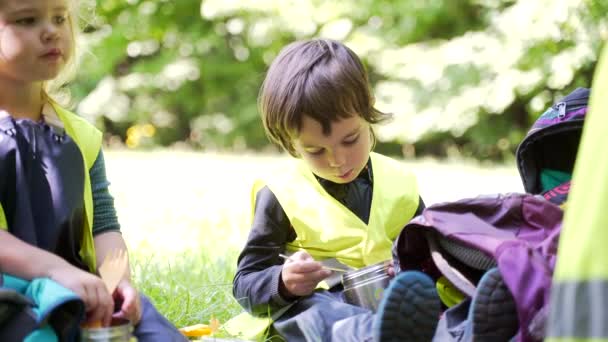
(446, 266)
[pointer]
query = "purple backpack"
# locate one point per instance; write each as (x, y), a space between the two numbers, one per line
(461, 240)
(552, 143)
(518, 233)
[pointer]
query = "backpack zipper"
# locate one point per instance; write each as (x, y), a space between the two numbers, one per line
(572, 105)
(561, 109)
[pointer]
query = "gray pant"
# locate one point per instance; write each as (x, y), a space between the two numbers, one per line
(154, 326)
(324, 316)
(454, 324)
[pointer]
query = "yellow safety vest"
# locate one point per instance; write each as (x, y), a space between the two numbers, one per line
(325, 228)
(88, 139)
(579, 294)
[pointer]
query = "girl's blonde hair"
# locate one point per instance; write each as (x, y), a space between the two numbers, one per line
(55, 89)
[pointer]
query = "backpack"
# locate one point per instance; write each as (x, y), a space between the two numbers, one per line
(551, 145)
(518, 233)
(461, 240)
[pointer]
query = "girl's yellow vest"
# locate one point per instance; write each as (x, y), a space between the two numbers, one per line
(88, 139)
(327, 229)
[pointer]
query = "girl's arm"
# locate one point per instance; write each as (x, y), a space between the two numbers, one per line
(126, 296)
(28, 262)
(106, 242)
(107, 237)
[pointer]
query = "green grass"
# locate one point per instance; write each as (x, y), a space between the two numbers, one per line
(185, 217)
(188, 289)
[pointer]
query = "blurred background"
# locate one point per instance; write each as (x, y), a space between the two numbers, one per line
(173, 84)
(462, 77)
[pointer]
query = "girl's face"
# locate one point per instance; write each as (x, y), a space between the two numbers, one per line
(340, 156)
(35, 39)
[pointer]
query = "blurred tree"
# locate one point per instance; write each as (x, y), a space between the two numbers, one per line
(461, 76)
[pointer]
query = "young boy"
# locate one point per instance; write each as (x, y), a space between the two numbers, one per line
(339, 203)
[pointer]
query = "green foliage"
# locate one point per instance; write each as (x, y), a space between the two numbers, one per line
(192, 69)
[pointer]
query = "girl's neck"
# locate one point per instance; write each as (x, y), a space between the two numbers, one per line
(22, 102)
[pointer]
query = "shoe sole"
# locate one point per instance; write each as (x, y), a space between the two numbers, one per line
(493, 311)
(409, 310)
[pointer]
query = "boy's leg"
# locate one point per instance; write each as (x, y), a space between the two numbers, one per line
(453, 324)
(153, 326)
(323, 316)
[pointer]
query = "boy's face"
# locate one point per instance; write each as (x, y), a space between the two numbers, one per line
(35, 39)
(340, 156)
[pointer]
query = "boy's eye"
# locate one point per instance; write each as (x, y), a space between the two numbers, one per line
(26, 21)
(316, 152)
(351, 141)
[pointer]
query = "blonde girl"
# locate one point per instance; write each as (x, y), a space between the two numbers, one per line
(57, 218)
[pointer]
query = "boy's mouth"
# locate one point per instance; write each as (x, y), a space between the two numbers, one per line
(346, 174)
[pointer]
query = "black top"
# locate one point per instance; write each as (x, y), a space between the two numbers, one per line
(256, 283)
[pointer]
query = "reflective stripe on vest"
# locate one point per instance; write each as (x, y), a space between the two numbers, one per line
(325, 228)
(584, 311)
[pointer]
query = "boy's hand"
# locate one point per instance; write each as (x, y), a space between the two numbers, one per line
(301, 274)
(390, 270)
(128, 299)
(90, 288)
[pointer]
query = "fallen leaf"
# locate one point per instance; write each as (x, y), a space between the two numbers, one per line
(196, 330)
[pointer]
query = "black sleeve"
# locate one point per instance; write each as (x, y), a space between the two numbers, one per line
(256, 282)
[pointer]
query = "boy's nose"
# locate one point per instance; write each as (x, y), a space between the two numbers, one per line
(337, 159)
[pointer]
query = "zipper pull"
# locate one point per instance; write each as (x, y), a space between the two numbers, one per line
(561, 110)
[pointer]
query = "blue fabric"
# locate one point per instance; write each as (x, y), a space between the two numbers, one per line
(44, 334)
(53, 305)
(550, 178)
(49, 295)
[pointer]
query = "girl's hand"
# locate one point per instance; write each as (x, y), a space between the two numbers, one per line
(301, 274)
(130, 305)
(90, 288)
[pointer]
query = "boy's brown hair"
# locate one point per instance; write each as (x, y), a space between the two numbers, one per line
(320, 78)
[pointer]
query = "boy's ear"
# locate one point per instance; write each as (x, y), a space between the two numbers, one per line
(372, 136)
